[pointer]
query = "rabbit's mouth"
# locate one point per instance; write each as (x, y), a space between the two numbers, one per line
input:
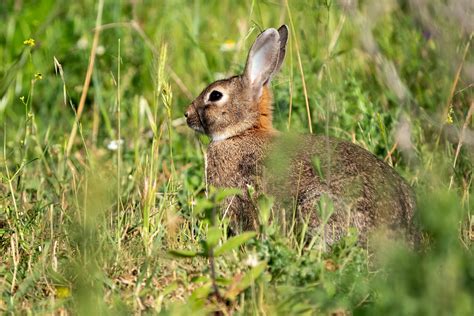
(194, 120)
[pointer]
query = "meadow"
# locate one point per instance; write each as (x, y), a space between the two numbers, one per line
(103, 204)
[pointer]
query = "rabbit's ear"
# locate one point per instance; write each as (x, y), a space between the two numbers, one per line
(263, 59)
(283, 31)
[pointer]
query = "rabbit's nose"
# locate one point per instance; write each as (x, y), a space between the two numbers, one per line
(186, 114)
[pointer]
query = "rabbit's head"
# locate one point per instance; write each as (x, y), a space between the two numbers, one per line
(229, 107)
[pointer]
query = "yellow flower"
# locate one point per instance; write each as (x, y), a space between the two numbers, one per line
(228, 46)
(63, 292)
(38, 76)
(22, 98)
(29, 42)
(449, 118)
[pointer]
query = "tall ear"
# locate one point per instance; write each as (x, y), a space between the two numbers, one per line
(263, 59)
(283, 31)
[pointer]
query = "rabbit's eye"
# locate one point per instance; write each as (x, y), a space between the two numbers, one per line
(215, 96)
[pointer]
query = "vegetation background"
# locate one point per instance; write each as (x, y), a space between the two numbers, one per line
(102, 199)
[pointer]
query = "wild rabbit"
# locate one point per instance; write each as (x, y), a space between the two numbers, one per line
(302, 172)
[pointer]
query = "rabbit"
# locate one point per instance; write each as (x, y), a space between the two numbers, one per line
(311, 175)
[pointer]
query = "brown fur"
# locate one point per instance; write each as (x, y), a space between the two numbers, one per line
(265, 110)
(301, 171)
(365, 192)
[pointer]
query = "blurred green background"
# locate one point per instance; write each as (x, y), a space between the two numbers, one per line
(97, 186)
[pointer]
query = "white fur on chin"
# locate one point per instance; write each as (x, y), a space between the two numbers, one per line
(222, 136)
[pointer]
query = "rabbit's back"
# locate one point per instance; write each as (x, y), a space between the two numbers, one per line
(362, 190)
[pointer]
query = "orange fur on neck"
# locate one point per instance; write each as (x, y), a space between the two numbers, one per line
(265, 110)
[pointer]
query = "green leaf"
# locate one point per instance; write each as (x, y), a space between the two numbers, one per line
(169, 289)
(325, 207)
(317, 165)
(202, 205)
(250, 190)
(253, 274)
(183, 253)
(265, 204)
(234, 242)
(247, 280)
(213, 236)
(202, 292)
(222, 194)
(200, 279)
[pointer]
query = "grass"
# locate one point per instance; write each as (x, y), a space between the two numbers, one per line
(103, 206)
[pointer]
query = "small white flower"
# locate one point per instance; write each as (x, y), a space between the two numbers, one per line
(100, 50)
(82, 43)
(251, 260)
(114, 144)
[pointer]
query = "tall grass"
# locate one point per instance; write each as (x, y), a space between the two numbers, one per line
(102, 184)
